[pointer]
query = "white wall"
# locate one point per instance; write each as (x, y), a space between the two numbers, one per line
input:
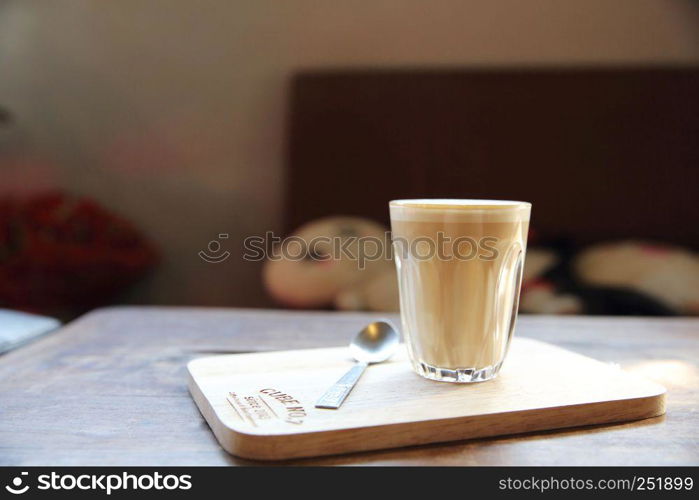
(171, 112)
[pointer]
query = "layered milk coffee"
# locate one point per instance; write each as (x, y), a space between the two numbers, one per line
(459, 266)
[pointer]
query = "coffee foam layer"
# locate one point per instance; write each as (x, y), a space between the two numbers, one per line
(453, 210)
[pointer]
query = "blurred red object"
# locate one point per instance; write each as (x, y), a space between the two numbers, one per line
(66, 254)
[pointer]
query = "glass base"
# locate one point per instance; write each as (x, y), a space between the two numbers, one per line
(458, 375)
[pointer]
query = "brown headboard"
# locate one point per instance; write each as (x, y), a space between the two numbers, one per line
(601, 153)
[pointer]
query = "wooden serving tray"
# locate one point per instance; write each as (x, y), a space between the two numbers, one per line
(261, 406)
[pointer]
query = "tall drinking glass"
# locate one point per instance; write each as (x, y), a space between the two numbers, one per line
(459, 266)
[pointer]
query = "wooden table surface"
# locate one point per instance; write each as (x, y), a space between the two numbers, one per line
(110, 389)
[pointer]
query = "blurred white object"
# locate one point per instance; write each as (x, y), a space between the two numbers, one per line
(666, 273)
(16, 328)
(337, 279)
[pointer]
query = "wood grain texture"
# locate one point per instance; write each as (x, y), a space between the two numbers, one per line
(110, 389)
(260, 406)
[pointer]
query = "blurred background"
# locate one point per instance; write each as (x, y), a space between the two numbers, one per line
(135, 135)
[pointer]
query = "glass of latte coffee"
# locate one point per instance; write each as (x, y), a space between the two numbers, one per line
(459, 266)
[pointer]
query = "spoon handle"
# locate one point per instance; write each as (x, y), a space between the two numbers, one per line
(334, 396)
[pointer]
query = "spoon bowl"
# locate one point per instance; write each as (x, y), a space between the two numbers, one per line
(375, 343)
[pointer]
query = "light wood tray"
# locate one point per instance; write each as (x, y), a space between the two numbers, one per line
(260, 406)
